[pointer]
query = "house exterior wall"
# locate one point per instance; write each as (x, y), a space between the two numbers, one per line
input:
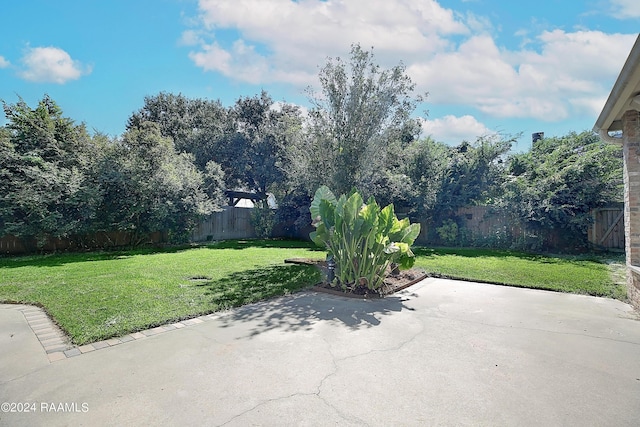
(631, 150)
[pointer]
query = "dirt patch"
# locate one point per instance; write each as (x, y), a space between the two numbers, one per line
(392, 283)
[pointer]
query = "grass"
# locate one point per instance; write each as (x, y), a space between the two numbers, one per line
(95, 296)
(581, 275)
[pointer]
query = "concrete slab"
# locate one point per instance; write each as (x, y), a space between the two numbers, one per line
(20, 349)
(440, 353)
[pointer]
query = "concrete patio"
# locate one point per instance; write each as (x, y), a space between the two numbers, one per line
(441, 352)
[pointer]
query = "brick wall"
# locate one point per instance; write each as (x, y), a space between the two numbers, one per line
(633, 290)
(631, 135)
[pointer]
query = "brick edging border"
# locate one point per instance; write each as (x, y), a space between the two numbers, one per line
(54, 342)
(58, 346)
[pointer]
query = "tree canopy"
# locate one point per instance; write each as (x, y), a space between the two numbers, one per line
(57, 180)
(560, 180)
(360, 123)
(46, 172)
(178, 155)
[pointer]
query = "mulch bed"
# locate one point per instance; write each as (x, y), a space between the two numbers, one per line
(392, 283)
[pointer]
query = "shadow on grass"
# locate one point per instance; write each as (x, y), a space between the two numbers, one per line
(56, 259)
(264, 243)
(299, 310)
(249, 286)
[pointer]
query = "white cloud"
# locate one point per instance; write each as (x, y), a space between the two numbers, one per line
(51, 65)
(190, 38)
(478, 23)
(453, 130)
(300, 35)
(625, 9)
(545, 84)
(3, 62)
(553, 75)
(212, 58)
(240, 62)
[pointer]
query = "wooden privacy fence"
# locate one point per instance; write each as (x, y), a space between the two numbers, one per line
(607, 230)
(482, 222)
(478, 222)
(231, 223)
(605, 233)
(11, 245)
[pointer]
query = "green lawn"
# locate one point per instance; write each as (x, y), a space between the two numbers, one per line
(580, 275)
(95, 296)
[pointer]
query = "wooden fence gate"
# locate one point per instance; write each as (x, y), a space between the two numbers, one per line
(607, 230)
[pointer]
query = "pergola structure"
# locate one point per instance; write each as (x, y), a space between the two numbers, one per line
(619, 123)
(235, 196)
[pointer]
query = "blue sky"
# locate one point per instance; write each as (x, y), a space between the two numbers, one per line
(489, 66)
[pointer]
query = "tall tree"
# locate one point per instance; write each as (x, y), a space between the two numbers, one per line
(257, 148)
(147, 186)
(426, 166)
(247, 140)
(558, 183)
(196, 126)
(360, 121)
(46, 165)
(474, 175)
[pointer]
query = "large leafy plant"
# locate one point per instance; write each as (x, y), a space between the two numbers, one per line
(362, 238)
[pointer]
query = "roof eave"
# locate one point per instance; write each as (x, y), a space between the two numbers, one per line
(624, 89)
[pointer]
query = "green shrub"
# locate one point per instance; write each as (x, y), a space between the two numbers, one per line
(448, 232)
(263, 219)
(362, 238)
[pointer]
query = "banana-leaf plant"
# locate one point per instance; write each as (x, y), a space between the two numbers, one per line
(362, 238)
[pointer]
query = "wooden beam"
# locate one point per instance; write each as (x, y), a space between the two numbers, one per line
(254, 197)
